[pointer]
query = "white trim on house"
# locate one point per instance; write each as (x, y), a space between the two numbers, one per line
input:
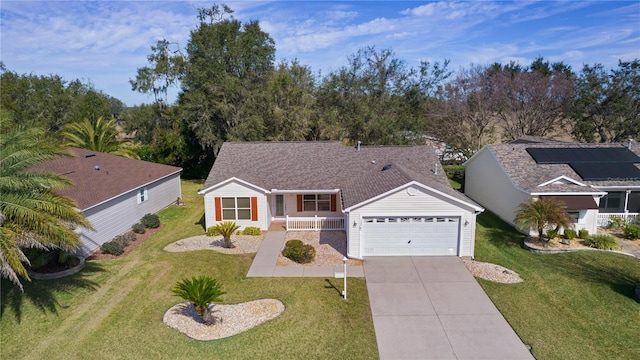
(594, 193)
(136, 189)
(562, 177)
(231, 179)
(325, 191)
(408, 186)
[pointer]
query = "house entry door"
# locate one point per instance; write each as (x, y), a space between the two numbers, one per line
(279, 205)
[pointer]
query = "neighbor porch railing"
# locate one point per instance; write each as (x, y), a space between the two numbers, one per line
(315, 223)
(604, 218)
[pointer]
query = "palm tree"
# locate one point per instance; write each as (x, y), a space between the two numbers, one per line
(540, 213)
(32, 214)
(226, 229)
(101, 136)
(200, 291)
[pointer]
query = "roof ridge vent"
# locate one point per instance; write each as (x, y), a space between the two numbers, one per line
(88, 155)
(387, 167)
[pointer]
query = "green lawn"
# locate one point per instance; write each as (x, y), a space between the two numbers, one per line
(570, 306)
(113, 308)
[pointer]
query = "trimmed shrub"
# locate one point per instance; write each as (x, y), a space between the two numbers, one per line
(570, 234)
(299, 252)
(138, 228)
(213, 231)
(602, 242)
(632, 231)
(583, 233)
(251, 230)
(112, 247)
(552, 233)
(150, 221)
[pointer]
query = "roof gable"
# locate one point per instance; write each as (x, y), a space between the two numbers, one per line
(98, 177)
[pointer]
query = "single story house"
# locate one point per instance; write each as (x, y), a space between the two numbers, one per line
(595, 181)
(114, 192)
(390, 200)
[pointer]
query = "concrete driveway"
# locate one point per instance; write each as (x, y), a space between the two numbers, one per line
(433, 308)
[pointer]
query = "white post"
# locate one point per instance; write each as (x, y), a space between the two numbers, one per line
(315, 222)
(344, 292)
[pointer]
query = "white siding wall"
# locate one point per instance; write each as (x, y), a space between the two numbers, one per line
(291, 208)
(237, 189)
(487, 184)
(116, 216)
(422, 203)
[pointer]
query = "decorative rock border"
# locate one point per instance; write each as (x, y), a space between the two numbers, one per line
(526, 245)
(59, 274)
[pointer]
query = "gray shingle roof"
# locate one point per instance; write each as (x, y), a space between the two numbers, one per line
(116, 175)
(330, 165)
(527, 174)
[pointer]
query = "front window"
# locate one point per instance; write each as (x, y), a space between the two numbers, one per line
(142, 195)
(236, 208)
(316, 202)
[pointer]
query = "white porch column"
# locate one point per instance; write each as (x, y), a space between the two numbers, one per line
(626, 201)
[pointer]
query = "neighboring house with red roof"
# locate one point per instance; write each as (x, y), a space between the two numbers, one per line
(390, 200)
(595, 181)
(114, 192)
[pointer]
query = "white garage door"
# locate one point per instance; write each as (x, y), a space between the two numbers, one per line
(426, 235)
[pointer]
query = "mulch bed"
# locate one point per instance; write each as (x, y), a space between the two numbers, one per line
(140, 238)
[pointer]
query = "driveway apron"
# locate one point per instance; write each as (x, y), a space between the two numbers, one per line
(433, 308)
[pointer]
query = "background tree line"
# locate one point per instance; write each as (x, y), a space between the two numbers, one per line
(232, 89)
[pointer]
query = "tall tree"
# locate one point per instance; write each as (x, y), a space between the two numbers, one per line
(465, 118)
(607, 104)
(223, 90)
(98, 136)
(533, 102)
(32, 214)
(290, 102)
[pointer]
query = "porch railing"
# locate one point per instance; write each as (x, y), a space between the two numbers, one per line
(315, 223)
(604, 218)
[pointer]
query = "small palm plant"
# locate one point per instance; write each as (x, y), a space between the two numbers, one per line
(540, 213)
(200, 291)
(226, 229)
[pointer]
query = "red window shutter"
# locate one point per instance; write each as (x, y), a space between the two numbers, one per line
(218, 209)
(333, 202)
(299, 203)
(254, 209)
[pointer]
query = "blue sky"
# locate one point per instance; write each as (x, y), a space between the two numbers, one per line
(105, 42)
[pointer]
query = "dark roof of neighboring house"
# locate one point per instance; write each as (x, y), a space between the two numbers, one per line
(321, 165)
(98, 177)
(526, 174)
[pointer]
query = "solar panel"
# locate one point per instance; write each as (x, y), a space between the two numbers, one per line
(544, 155)
(606, 171)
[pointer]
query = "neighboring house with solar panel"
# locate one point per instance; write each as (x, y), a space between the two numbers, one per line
(390, 200)
(114, 192)
(595, 181)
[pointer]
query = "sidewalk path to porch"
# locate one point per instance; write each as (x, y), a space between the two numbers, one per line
(264, 264)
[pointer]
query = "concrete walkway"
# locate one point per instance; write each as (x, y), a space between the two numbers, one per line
(264, 264)
(433, 308)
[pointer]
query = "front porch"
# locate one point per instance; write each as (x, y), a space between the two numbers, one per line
(314, 223)
(604, 219)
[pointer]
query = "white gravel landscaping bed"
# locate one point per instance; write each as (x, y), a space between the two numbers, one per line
(244, 244)
(492, 272)
(230, 319)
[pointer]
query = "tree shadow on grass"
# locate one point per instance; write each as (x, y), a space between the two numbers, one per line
(42, 293)
(611, 270)
(498, 232)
